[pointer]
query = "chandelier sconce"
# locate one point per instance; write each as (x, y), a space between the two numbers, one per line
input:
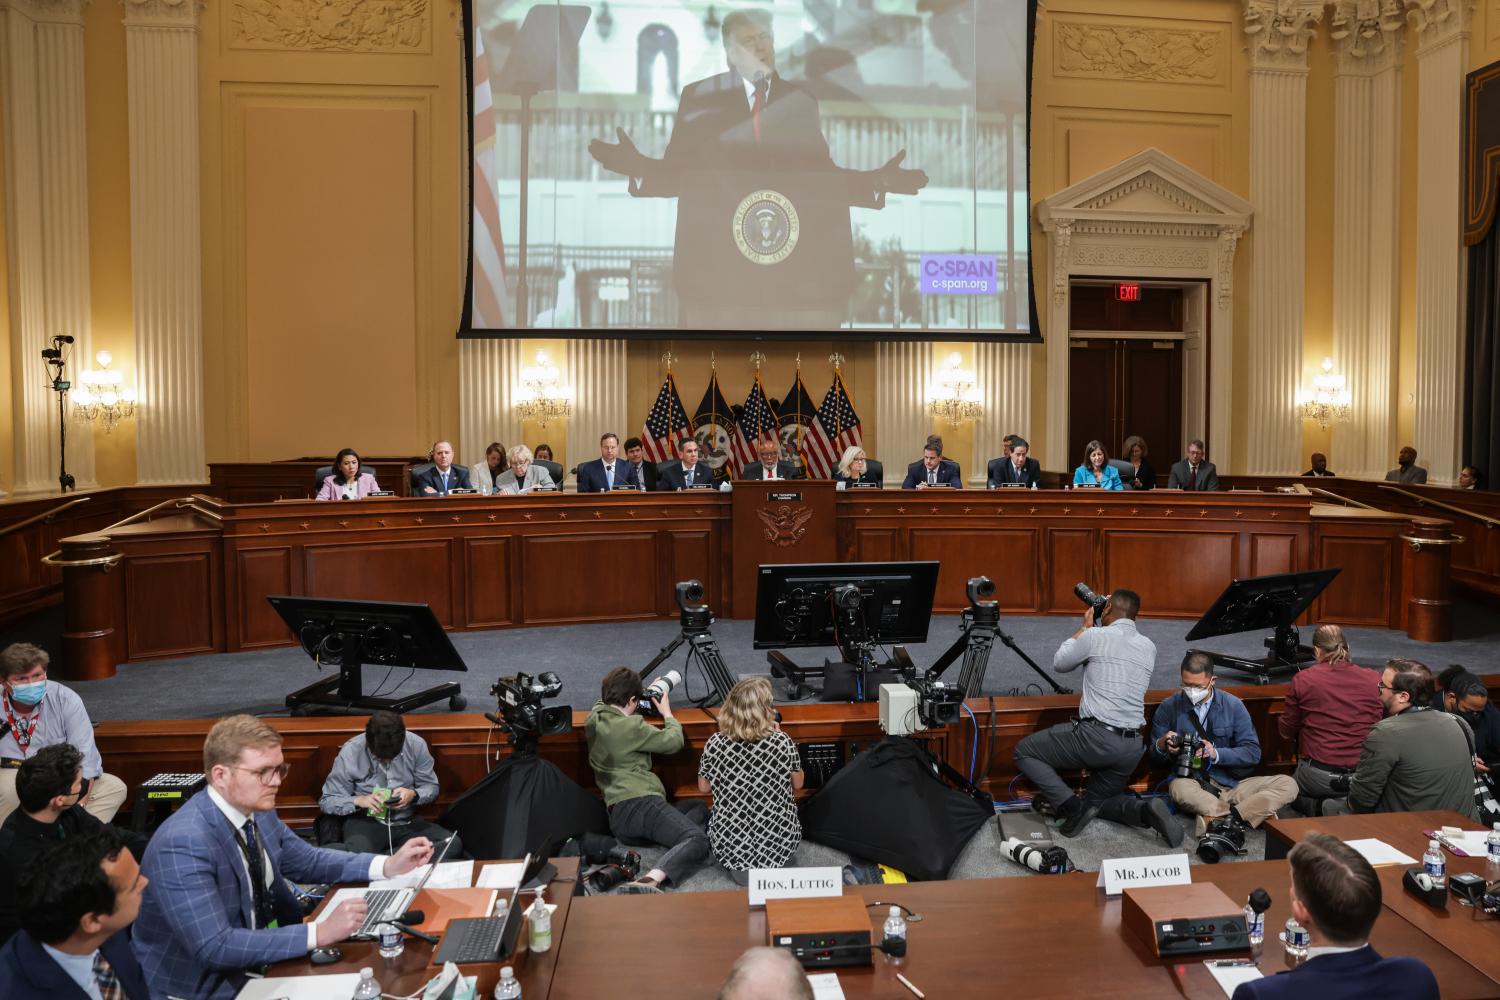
(1328, 400)
(542, 396)
(954, 395)
(102, 395)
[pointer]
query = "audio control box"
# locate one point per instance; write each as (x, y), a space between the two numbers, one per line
(1184, 919)
(821, 932)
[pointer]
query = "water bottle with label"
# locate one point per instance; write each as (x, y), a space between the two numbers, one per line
(893, 940)
(1295, 938)
(1255, 917)
(1492, 845)
(509, 987)
(540, 919)
(392, 941)
(369, 987)
(1436, 864)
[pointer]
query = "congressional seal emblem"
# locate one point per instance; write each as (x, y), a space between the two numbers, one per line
(766, 227)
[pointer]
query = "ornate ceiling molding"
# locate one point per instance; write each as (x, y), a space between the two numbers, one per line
(1279, 30)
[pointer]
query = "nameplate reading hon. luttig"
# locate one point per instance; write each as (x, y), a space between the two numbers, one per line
(794, 883)
(1119, 874)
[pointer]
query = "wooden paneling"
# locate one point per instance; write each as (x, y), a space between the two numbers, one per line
(187, 583)
(1010, 557)
(1171, 570)
(261, 572)
(787, 521)
(1272, 553)
(1070, 561)
(687, 555)
(419, 571)
(1364, 593)
(489, 590)
(557, 570)
(877, 545)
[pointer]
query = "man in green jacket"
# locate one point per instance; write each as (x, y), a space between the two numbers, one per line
(620, 747)
(1415, 759)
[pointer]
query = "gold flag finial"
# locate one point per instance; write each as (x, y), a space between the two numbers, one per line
(667, 358)
(757, 359)
(836, 359)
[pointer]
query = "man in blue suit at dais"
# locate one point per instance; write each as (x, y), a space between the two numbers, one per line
(1335, 894)
(218, 904)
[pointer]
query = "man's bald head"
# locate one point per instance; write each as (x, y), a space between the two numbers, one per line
(766, 974)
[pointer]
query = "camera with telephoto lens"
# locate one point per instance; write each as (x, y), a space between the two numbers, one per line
(651, 693)
(617, 865)
(1188, 748)
(1093, 600)
(521, 712)
(938, 704)
(696, 619)
(1225, 835)
(1050, 860)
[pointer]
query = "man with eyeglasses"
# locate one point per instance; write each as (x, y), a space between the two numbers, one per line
(1415, 759)
(49, 785)
(218, 904)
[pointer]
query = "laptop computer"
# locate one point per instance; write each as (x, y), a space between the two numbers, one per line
(491, 939)
(389, 904)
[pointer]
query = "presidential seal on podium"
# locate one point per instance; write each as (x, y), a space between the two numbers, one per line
(766, 227)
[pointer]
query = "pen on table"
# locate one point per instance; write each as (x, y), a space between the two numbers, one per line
(908, 984)
(1232, 963)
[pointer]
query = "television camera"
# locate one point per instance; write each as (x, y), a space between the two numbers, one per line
(522, 715)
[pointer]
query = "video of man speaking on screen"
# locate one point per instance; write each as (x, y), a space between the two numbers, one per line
(776, 165)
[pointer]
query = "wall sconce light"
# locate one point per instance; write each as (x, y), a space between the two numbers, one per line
(954, 395)
(102, 395)
(542, 396)
(1328, 400)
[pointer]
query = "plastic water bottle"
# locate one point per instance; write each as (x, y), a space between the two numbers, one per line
(1295, 939)
(368, 988)
(893, 940)
(1255, 917)
(509, 987)
(540, 919)
(1492, 845)
(392, 941)
(1436, 864)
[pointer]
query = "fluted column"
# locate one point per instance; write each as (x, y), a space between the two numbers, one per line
(1278, 32)
(903, 372)
(596, 371)
(1366, 221)
(1002, 373)
(1442, 30)
(1060, 242)
(161, 51)
(488, 372)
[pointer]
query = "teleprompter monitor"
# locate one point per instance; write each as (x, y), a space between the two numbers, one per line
(796, 604)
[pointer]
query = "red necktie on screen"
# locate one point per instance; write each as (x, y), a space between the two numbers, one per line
(760, 102)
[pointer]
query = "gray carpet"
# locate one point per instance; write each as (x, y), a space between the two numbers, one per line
(210, 686)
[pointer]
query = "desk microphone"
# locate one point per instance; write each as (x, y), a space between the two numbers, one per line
(413, 931)
(411, 917)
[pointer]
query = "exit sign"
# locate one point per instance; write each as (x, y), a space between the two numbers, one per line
(1128, 291)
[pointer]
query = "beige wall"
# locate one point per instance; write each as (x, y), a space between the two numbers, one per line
(333, 218)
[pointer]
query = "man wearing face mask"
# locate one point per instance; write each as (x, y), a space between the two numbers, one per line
(378, 780)
(1221, 783)
(41, 713)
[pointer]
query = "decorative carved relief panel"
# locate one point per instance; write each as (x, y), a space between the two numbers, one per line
(329, 25)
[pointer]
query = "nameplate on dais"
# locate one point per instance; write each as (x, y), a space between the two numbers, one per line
(1119, 874)
(794, 883)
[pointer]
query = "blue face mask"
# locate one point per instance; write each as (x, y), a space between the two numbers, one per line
(28, 694)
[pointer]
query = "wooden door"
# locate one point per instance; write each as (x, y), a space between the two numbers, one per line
(1123, 386)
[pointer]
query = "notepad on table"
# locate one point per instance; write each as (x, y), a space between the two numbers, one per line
(1378, 852)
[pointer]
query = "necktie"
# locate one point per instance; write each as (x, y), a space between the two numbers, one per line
(107, 981)
(1192, 482)
(609, 477)
(931, 477)
(771, 471)
(760, 102)
(445, 482)
(255, 860)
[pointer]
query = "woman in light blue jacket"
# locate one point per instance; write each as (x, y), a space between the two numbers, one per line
(1096, 470)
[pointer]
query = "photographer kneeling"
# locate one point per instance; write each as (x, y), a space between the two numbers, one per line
(620, 747)
(1212, 780)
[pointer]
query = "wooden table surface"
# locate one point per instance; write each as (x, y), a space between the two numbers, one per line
(1455, 927)
(406, 975)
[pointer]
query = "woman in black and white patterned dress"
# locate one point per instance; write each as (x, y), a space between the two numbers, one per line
(752, 768)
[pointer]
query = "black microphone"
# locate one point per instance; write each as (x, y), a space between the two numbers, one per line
(414, 932)
(411, 917)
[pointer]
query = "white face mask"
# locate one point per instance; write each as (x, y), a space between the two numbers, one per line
(1197, 695)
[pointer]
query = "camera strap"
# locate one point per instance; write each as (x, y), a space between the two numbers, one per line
(1201, 774)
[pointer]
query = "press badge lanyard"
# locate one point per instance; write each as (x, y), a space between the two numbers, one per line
(22, 733)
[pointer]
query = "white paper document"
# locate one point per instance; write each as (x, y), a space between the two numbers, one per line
(449, 875)
(506, 876)
(825, 986)
(1378, 852)
(1472, 843)
(1229, 977)
(339, 984)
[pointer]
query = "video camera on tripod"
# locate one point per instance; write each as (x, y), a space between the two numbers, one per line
(522, 716)
(696, 620)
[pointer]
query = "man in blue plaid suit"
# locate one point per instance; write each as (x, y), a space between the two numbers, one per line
(217, 904)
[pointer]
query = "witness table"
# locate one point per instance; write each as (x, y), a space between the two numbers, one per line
(406, 975)
(1024, 936)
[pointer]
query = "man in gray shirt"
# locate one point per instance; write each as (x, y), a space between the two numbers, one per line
(378, 780)
(1415, 759)
(1407, 470)
(1117, 662)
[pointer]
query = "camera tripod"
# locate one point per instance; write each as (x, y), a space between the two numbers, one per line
(703, 653)
(980, 627)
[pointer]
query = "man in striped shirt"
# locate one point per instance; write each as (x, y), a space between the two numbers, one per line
(1117, 662)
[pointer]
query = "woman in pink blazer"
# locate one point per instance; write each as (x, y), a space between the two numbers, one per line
(347, 482)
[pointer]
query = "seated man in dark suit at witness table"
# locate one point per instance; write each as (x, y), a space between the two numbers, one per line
(688, 472)
(49, 786)
(1015, 467)
(78, 903)
(933, 469)
(444, 477)
(770, 459)
(641, 467)
(1335, 894)
(1319, 466)
(607, 471)
(1193, 473)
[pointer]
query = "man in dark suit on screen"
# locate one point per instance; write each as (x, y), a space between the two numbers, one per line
(757, 190)
(770, 458)
(933, 469)
(687, 473)
(607, 472)
(1015, 467)
(1194, 472)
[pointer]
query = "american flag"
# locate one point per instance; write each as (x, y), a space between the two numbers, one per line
(757, 419)
(836, 428)
(666, 424)
(490, 302)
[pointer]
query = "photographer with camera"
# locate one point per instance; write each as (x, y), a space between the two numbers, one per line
(1207, 737)
(1106, 737)
(620, 747)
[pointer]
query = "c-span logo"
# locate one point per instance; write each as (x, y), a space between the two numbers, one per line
(766, 227)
